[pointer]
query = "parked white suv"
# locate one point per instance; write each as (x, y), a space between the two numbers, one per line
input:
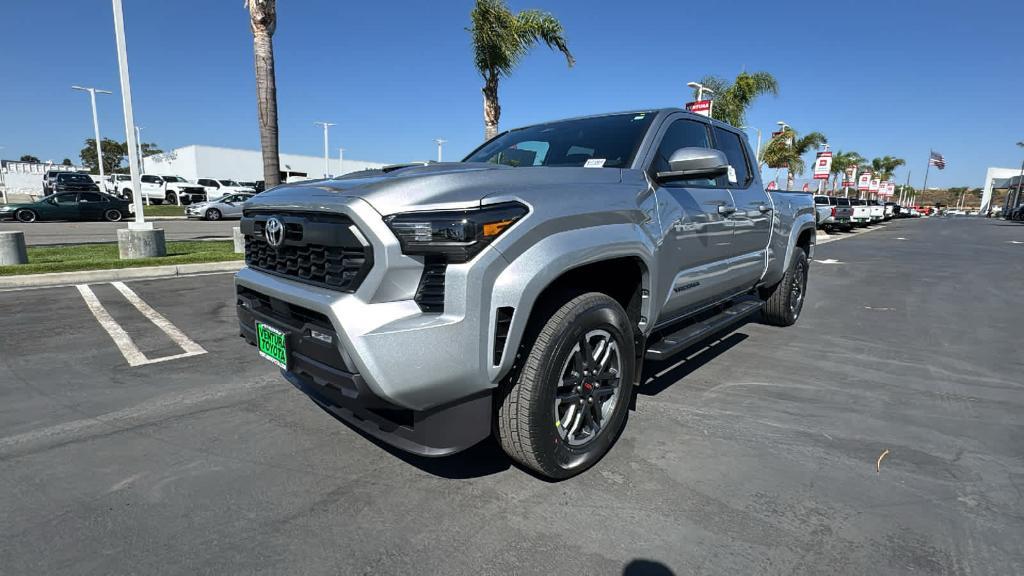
(158, 189)
(216, 189)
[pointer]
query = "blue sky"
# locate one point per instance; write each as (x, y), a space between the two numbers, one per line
(894, 77)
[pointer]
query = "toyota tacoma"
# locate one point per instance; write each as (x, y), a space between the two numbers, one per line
(518, 292)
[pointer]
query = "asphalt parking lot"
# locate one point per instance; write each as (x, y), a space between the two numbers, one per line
(45, 233)
(190, 455)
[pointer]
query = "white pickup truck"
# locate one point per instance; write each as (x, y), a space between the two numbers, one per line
(158, 189)
(861, 212)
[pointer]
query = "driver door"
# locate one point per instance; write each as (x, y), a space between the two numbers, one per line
(694, 215)
(63, 206)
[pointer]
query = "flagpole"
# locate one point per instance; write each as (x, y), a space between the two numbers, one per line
(925, 187)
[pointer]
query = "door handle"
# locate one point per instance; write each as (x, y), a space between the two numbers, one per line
(726, 210)
(764, 209)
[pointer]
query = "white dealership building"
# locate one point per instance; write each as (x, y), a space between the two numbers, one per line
(196, 161)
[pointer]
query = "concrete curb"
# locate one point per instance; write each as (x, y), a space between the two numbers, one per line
(119, 274)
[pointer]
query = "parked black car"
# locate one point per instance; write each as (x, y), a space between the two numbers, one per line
(73, 182)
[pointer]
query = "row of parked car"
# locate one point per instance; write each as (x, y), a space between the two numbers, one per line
(155, 189)
(836, 212)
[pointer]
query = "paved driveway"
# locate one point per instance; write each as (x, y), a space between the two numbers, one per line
(756, 455)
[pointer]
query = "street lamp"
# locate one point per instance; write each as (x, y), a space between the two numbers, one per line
(341, 161)
(439, 143)
(326, 125)
(701, 89)
(95, 122)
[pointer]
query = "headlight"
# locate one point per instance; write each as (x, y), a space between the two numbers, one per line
(457, 234)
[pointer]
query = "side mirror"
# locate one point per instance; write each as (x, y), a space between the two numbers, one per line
(693, 163)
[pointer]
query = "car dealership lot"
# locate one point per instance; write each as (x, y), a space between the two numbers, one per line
(43, 233)
(755, 455)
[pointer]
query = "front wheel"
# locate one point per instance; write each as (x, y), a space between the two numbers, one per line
(26, 216)
(113, 216)
(783, 302)
(213, 214)
(561, 413)
(171, 198)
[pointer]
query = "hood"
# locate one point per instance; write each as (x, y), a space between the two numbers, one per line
(436, 186)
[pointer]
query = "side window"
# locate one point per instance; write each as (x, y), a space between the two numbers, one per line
(66, 199)
(735, 151)
(90, 197)
(148, 179)
(681, 134)
(821, 200)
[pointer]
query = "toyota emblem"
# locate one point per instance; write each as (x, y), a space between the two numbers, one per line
(274, 232)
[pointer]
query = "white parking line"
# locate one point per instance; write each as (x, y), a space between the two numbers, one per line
(124, 342)
(189, 346)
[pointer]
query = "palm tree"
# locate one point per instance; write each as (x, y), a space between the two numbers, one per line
(1021, 144)
(884, 167)
(732, 100)
(841, 161)
(263, 22)
(501, 39)
(788, 150)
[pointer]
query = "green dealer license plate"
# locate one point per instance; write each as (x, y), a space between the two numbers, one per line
(272, 344)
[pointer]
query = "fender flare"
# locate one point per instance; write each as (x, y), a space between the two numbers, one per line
(522, 282)
(802, 223)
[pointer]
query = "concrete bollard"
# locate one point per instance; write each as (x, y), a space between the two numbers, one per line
(133, 244)
(236, 234)
(12, 248)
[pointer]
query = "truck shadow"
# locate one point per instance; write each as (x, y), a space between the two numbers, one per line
(657, 376)
(483, 459)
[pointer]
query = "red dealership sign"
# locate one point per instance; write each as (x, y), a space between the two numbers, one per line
(702, 107)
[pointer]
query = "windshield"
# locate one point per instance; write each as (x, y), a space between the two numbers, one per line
(228, 182)
(603, 141)
(76, 178)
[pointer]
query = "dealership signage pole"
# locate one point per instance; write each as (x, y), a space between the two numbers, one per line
(440, 142)
(95, 122)
(700, 106)
(341, 161)
(823, 167)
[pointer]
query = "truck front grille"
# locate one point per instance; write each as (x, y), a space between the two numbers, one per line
(317, 249)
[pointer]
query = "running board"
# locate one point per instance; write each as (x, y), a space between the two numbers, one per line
(676, 342)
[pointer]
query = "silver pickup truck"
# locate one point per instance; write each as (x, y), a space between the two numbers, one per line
(519, 292)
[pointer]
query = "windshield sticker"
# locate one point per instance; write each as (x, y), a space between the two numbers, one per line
(731, 172)
(594, 163)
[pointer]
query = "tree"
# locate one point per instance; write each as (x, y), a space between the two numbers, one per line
(788, 150)
(500, 41)
(29, 158)
(732, 100)
(114, 153)
(1021, 144)
(884, 167)
(263, 23)
(150, 149)
(67, 162)
(840, 162)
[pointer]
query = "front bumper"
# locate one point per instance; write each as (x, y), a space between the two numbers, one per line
(419, 380)
(319, 370)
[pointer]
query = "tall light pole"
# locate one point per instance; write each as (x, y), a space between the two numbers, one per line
(95, 121)
(701, 89)
(129, 120)
(440, 142)
(341, 161)
(327, 165)
(782, 128)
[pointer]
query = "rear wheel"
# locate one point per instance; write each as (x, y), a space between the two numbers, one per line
(25, 215)
(171, 198)
(213, 214)
(561, 413)
(113, 215)
(784, 301)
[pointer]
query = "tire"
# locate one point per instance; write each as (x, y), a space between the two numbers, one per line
(213, 215)
(155, 201)
(783, 303)
(26, 216)
(126, 194)
(529, 417)
(171, 198)
(113, 215)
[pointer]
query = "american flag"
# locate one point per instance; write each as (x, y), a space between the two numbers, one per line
(936, 160)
